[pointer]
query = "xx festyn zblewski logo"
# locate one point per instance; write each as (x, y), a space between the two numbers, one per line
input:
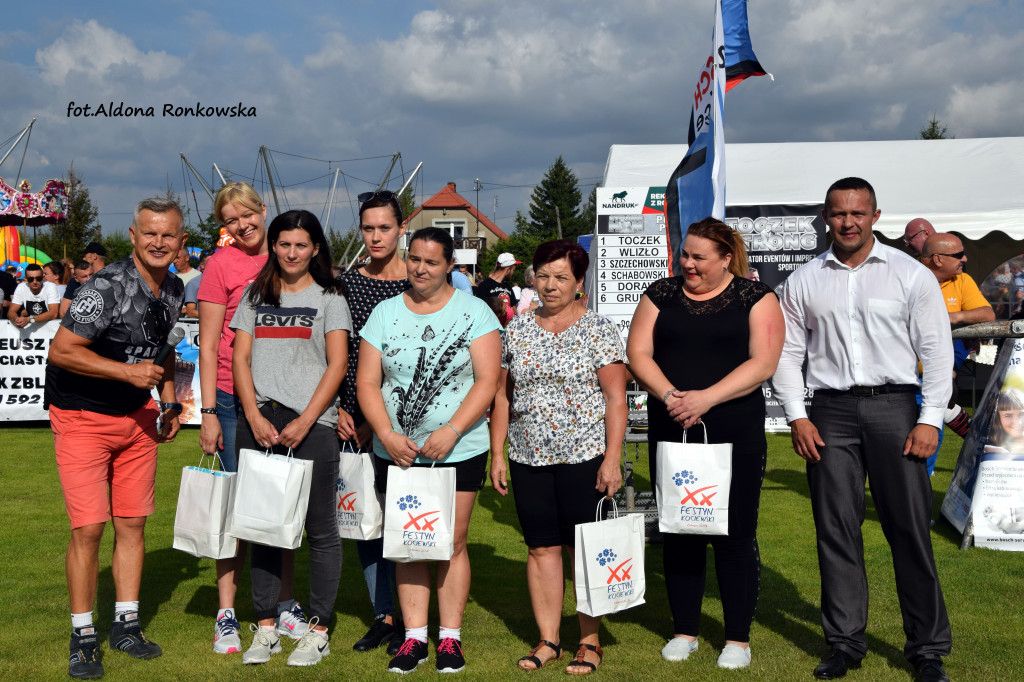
(697, 504)
(619, 582)
(419, 531)
(347, 505)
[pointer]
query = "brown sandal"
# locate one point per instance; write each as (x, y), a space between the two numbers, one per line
(532, 656)
(581, 662)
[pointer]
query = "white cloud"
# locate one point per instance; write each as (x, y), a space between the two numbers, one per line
(94, 51)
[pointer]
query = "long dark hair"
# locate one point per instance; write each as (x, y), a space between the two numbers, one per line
(266, 288)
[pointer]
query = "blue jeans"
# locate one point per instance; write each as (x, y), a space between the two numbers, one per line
(228, 408)
(379, 574)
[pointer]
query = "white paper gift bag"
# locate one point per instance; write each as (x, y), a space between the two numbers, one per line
(419, 514)
(271, 497)
(610, 563)
(693, 487)
(360, 516)
(205, 499)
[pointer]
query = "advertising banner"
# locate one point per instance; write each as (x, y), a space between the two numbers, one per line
(23, 371)
(987, 487)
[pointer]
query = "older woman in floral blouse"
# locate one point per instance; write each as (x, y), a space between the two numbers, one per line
(562, 406)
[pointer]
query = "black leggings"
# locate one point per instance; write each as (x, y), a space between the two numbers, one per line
(737, 560)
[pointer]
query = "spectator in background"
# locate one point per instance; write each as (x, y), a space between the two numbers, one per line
(460, 280)
(34, 300)
(191, 308)
(53, 272)
(7, 286)
(916, 231)
(499, 283)
(95, 255)
(82, 272)
(528, 299)
(944, 255)
(183, 267)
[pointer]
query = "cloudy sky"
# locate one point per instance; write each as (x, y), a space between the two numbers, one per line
(472, 88)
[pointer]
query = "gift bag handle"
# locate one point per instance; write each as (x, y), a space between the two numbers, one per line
(615, 508)
(216, 461)
(705, 432)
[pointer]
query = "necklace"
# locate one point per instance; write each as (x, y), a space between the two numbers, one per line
(556, 326)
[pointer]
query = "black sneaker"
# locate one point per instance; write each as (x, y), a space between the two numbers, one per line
(410, 654)
(380, 633)
(126, 635)
(84, 664)
(398, 640)
(449, 656)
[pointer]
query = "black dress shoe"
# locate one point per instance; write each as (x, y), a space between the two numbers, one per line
(836, 665)
(379, 633)
(931, 670)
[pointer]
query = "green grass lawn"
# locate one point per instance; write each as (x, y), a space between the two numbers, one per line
(984, 592)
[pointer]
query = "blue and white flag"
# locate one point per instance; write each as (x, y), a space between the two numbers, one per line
(696, 189)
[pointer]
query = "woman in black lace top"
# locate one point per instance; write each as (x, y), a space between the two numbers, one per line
(702, 344)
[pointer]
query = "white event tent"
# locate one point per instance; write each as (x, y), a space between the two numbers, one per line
(969, 186)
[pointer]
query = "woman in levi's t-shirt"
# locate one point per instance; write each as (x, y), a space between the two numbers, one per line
(239, 208)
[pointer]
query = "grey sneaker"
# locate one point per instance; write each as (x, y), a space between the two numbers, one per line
(292, 623)
(225, 635)
(734, 657)
(264, 644)
(678, 649)
(311, 647)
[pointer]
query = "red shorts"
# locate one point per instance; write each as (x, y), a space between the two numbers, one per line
(106, 463)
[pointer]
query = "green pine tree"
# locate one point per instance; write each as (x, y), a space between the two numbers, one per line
(556, 200)
(935, 130)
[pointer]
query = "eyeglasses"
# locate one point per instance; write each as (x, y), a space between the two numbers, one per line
(34, 279)
(383, 195)
(958, 255)
(907, 240)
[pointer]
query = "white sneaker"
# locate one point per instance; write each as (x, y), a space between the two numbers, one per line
(225, 634)
(292, 623)
(734, 656)
(311, 647)
(265, 642)
(678, 649)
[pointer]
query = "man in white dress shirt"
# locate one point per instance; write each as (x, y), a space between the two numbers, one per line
(862, 314)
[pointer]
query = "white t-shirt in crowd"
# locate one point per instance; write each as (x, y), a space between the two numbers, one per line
(36, 304)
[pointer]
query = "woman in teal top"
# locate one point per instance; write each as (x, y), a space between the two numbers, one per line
(429, 362)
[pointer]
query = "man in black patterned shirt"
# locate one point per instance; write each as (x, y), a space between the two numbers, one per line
(104, 422)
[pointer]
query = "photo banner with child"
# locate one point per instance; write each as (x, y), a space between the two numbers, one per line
(987, 487)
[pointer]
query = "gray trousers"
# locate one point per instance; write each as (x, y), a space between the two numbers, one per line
(320, 446)
(865, 436)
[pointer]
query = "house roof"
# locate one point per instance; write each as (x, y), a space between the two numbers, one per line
(452, 200)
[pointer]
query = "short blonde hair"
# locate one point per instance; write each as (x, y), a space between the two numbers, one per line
(240, 193)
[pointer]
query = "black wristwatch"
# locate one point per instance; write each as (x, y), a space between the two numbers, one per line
(170, 406)
(208, 410)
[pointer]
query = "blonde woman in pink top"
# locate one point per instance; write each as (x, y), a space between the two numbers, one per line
(243, 214)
